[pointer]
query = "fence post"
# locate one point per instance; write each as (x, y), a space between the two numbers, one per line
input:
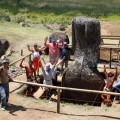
(58, 101)
(29, 57)
(21, 52)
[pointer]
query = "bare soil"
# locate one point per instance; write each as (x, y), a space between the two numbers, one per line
(23, 108)
(26, 108)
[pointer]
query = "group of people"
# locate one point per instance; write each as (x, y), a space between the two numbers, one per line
(56, 51)
(58, 55)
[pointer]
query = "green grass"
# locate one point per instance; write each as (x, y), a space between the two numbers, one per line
(15, 34)
(59, 11)
(19, 37)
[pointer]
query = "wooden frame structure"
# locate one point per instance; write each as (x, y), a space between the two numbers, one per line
(112, 45)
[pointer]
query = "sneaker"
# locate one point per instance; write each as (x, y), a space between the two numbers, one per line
(3, 109)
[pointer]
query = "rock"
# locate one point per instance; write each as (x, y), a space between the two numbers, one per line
(15, 71)
(4, 44)
(83, 73)
(59, 35)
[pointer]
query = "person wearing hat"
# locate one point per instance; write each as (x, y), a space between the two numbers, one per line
(4, 83)
(110, 78)
(48, 71)
(65, 53)
(53, 49)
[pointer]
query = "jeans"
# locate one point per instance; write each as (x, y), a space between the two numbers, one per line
(116, 88)
(4, 94)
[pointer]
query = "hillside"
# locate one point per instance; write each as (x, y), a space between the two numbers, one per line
(57, 11)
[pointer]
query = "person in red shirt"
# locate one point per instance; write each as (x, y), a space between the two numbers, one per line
(30, 74)
(110, 78)
(30, 71)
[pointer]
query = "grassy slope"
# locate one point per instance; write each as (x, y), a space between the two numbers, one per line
(15, 34)
(60, 11)
(19, 37)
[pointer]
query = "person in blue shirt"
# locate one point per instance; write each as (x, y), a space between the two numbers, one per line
(65, 54)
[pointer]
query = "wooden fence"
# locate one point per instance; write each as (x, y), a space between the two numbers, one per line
(66, 88)
(110, 37)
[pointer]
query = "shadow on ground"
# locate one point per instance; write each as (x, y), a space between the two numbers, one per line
(14, 108)
(103, 116)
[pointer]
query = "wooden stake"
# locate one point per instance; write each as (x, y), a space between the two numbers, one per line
(21, 52)
(58, 101)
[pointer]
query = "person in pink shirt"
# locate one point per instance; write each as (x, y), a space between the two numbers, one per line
(53, 49)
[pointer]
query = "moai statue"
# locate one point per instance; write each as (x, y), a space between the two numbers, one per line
(83, 73)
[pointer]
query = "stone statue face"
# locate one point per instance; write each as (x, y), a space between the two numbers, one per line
(86, 33)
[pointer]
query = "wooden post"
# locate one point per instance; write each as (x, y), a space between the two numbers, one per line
(110, 57)
(58, 101)
(30, 57)
(21, 52)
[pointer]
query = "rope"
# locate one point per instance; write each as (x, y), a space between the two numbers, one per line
(79, 100)
(97, 93)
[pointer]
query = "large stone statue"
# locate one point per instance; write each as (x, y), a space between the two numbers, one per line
(4, 44)
(83, 73)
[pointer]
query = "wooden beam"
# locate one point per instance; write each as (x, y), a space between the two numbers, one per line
(111, 38)
(67, 88)
(110, 35)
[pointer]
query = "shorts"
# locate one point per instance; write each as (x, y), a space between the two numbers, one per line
(47, 82)
(53, 57)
